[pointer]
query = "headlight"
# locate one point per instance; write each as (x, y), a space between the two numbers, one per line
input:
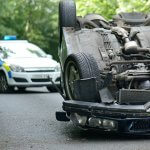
(16, 68)
(57, 68)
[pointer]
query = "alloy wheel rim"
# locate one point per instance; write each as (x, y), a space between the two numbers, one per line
(72, 74)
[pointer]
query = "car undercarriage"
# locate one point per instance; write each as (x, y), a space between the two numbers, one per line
(105, 70)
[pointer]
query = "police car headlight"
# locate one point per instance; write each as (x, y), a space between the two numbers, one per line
(57, 68)
(16, 68)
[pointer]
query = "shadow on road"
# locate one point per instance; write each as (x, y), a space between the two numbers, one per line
(96, 135)
(29, 91)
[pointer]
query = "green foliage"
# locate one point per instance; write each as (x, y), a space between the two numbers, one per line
(107, 8)
(37, 20)
(134, 5)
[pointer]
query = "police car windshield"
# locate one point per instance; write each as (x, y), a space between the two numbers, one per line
(20, 50)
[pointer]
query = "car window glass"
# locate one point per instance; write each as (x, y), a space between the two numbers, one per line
(20, 50)
(5, 53)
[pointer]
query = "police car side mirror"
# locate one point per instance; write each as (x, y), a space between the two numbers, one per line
(49, 56)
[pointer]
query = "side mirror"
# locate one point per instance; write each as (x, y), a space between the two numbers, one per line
(49, 56)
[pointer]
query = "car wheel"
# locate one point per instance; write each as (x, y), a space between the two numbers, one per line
(4, 87)
(22, 88)
(79, 66)
(51, 89)
(67, 14)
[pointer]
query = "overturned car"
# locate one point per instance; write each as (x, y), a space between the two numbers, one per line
(105, 70)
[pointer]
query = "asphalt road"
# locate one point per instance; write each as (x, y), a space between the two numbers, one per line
(27, 121)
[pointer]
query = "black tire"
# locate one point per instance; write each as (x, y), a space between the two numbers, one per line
(67, 15)
(94, 17)
(51, 89)
(85, 66)
(85, 23)
(98, 20)
(4, 87)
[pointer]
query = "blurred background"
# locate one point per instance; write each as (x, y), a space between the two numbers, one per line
(37, 20)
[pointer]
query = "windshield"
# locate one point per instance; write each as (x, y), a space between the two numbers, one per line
(20, 50)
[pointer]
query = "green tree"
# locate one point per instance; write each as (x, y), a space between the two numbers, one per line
(106, 8)
(134, 5)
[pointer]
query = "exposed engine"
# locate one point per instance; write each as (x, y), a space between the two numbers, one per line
(126, 68)
(132, 70)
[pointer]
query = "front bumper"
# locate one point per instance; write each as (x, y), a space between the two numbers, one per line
(26, 79)
(127, 118)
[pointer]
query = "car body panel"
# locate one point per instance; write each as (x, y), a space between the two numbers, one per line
(86, 41)
(133, 119)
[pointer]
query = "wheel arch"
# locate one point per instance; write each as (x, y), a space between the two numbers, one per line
(5, 73)
(87, 67)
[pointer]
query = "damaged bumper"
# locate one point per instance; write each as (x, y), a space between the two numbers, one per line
(109, 117)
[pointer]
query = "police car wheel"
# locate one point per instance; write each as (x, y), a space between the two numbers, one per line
(51, 89)
(4, 87)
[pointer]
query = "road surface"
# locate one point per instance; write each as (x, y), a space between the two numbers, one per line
(27, 122)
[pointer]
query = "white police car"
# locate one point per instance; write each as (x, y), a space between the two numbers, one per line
(23, 64)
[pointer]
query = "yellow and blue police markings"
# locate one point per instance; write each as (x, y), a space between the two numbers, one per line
(7, 68)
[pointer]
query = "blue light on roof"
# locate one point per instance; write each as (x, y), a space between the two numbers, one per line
(10, 37)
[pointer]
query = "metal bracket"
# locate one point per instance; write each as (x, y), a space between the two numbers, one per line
(106, 96)
(58, 90)
(61, 116)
